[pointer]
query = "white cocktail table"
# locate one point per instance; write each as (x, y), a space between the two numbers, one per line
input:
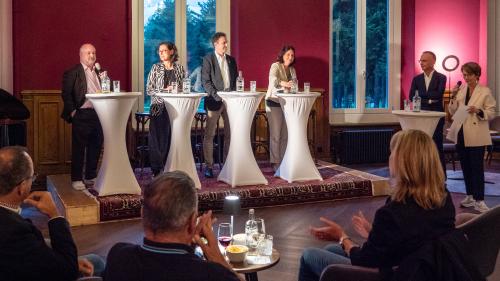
(423, 120)
(115, 175)
(181, 109)
(297, 163)
(241, 167)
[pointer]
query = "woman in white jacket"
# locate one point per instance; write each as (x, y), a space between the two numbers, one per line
(474, 134)
(281, 75)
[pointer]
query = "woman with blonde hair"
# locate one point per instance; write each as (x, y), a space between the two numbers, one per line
(419, 210)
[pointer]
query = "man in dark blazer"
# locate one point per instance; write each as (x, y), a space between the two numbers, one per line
(86, 138)
(24, 254)
(218, 73)
(430, 86)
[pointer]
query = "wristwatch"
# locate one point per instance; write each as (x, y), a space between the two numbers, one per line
(342, 239)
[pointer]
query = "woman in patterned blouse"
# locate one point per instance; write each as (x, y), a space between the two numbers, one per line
(160, 78)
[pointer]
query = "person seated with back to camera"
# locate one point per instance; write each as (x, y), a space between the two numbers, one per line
(419, 210)
(169, 231)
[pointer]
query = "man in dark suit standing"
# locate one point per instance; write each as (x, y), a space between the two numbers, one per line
(430, 86)
(24, 254)
(219, 73)
(86, 138)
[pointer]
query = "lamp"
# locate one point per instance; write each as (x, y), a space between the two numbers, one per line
(451, 68)
(232, 206)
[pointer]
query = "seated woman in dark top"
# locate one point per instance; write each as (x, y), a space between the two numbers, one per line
(420, 209)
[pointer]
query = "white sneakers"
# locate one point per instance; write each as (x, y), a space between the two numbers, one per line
(468, 201)
(479, 206)
(78, 185)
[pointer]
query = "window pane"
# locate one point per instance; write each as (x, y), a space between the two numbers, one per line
(159, 25)
(200, 28)
(377, 14)
(344, 53)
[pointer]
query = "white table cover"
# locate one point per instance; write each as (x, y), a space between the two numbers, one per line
(424, 120)
(297, 163)
(181, 109)
(241, 167)
(115, 175)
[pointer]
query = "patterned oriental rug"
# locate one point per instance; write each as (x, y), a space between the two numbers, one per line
(336, 184)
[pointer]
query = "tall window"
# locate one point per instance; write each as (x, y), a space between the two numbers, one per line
(361, 70)
(189, 24)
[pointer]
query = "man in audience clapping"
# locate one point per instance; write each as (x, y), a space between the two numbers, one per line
(24, 253)
(171, 224)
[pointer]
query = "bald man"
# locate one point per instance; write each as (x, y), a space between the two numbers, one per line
(430, 86)
(86, 138)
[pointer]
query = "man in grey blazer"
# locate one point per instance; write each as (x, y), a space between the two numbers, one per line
(218, 74)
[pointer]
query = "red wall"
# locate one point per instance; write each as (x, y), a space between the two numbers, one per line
(49, 33)
(259, 28)
(446, 27)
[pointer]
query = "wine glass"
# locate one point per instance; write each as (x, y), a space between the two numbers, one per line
(225, 234)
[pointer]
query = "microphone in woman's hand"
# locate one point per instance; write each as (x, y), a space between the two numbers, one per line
(455, 89)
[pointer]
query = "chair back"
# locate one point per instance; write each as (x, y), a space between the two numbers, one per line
(483, 233)
(495, 124)
(344, 272)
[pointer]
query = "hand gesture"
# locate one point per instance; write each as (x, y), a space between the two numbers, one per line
(361, 224)
(42, 200)
(332, 231)
(85, 267)
(211, 249)
(103, 74)
(473, 109)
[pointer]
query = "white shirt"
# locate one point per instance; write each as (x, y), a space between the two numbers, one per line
(224, 68)
(428, 80)
(18, 210)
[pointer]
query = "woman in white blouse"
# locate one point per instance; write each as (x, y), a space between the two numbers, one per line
(281, 75)
(474, 134)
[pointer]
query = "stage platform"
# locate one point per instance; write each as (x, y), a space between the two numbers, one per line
(85, 207)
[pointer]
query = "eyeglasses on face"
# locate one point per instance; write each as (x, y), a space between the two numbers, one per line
(32, 178)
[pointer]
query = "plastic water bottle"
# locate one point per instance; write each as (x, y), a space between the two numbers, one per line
(251, 229)
(240, 82)
(417, 101)
(106, 84)
(186, 84)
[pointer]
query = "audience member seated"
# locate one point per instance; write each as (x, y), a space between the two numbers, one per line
(171, 224)
(419, 210)
(24, 253)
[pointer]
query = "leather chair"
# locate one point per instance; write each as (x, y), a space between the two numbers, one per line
(482, 231)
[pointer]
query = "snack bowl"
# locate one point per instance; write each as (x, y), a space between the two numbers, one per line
(236, 253)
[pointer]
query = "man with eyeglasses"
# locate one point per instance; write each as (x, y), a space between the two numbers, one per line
(24, 253)
(430, 86)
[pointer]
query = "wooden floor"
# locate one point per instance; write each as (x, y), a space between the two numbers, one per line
(288, 224)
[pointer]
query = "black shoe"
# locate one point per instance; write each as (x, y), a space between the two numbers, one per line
(209, 173)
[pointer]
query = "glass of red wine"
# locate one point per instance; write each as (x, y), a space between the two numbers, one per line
(225, 234)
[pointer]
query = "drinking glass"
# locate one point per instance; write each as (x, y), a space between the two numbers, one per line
(253, 86)
(406, 105)
(174, 87)
(307, 87)
(116, 86)
(225, 234)
(265, 247)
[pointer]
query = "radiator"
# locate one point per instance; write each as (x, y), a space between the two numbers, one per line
(365, 146)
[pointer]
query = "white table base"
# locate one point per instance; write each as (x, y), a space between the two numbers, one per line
(115, 175)
(241, 167)
(181, 109)
(297, 163)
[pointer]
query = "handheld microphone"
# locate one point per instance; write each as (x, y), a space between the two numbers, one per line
(98, 67)
(459, 83)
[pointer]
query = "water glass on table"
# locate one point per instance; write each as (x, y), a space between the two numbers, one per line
(265, 247)
(116, 86)
(307, 87)
(253, 86)
(174, 87)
